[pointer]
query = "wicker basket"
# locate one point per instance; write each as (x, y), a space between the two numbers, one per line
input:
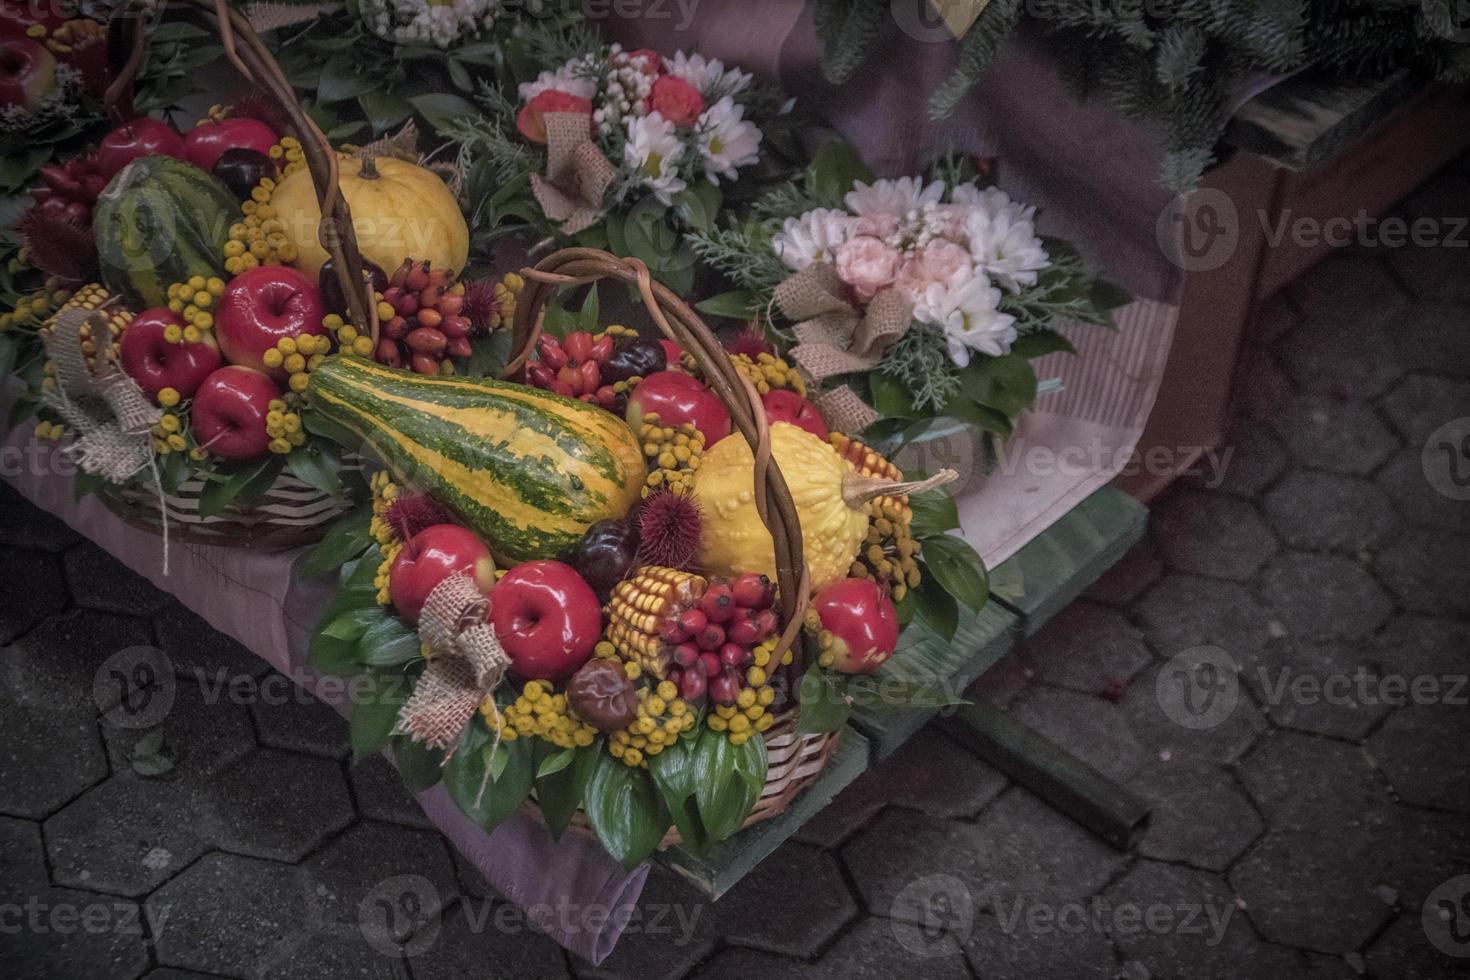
(290, 513)
(795, 759)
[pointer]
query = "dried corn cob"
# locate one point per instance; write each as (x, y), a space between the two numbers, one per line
(91, 297)
(640, 607)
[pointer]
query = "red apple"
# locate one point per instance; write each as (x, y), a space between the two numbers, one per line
(431, 556)
(229, 410)
(783, 405)
(673, 353)
(678, 398)
(136, 138)
(155, 363)
(259, 307)
(547, 618)
(862, 619)
(27, 73)
(204, 143)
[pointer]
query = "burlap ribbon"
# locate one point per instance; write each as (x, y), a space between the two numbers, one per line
(109, 413)
(577, 174)
(271, 16)
(466, 662)
(833, 338)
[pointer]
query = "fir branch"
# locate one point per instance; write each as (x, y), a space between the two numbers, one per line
(744, 254)
(920, 361)
(847, 29)
(977, 50)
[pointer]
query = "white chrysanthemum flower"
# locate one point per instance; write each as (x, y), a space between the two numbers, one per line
(899, 197)
(814, 237)
(727, 140)
(653, 151)
(427, 21)
(571, 78)
(967, 309)
(1003, 242)
(708, 75)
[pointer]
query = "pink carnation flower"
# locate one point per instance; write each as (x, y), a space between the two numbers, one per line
(868, 265)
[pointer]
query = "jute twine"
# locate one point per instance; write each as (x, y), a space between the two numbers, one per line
(577, 174)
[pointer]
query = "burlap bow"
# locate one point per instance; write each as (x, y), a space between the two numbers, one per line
(108, 411)
(577, 174)
(833, 338)
(466, 662)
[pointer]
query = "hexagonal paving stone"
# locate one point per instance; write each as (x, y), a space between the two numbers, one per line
(1346, 286)
(62, 932)
(23, 607)
(287, 717)
(201, 654)
(1411, 645)
(1251, 460)
(1404, 952)
(472, 935)
(750, 914)
(169, 973)
(649, 953)
(1433, 273)
(1344, 356)
(125, 836)
(340, 953)
(1200, 816)
(1329, 688)
(1005, 682)
(351, 867)
(1435, 779)
(1092, 729)
(849, 810)
(1414, 498)
(1428, 571)
(879, 949)
(1211, 534)
(1306, 783)
(1151, 709)
(1432, 337)
(226, 913)
(1185, 611)
(1010, 948)
(32, 738)
(56, 662)
(202, 733)
(22, 857)
(381, 794)
(738, 963)
(1273, 319)
(1264, 391)
(1303, 889)
(277, 805)
(1321, 597)
(100, 581)
(1431, 847)
(24, 525)
(1087, 648)
(1421, 404)
(1328, 512)
(1140, 568)
(1326, 434)
(933, 774)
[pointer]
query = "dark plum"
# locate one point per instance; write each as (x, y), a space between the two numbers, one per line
(607, 554)
(332, 296)
(634, 357)
(241, 168)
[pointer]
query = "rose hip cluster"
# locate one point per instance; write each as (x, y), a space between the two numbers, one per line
(714, 642)
(596, 369)
(422, 319)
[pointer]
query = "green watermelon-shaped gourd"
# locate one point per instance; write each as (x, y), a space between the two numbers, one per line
(161, 221)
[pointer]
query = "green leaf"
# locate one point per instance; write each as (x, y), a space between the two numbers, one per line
(239, 488)
(965, 409)
(676, 771)
(591, 310)
(317, 466)
(490, 354)
(352, 624)
(935, 607)
(958, 569)
(459, 76)
(833, 170)
(441, 108)
(934, 512)
(340, 79)
(377, 699)
(8, 352)
(738, 304)
(626, 811)
(383, 111)
(467, 776)
(418, 764)
(824, 706)
(1007, 384)
(698, 206)
(1039, 343)
(560, 793)
(347, 538)
(86, 483)
(388, 642)
(650, 237)
(725, 802)
(318, 424)
(890, 398)
(555, 763)
(1109, 296)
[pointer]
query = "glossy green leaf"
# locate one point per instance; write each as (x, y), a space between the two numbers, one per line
(347, 538)
(1039, 343)
(486, 800)
(824, 706)
(340, 79)
(935, 607)
(738, 304)
(419, 765)
(377, 698)
(833, 170)
(626, 811)
(388, 642)
(561, 792)
(676, 772)
(442, 108)
(317, 466)
(934, 512)
(724, 810)
(1006, 384)
(890, 398)
(958, 569)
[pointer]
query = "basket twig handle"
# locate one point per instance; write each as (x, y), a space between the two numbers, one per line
(677, 321)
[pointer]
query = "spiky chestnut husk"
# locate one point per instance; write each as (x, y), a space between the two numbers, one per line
(409, 514)
(255, 104)
(59, 245)
(750, 342)
(671, 530)
(482, 306)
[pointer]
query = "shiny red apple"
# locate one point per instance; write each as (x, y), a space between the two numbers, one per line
(783, 405)
(677, 398)
(27, 73)
(229, 410)
(430, 557)
(155, 363)
(673, 353)
(206, 142)
(141, 137)
(862, 619)
(547, 618)
(259, 307)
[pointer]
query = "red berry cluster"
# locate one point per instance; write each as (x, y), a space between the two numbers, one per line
(422, 318)
(714, 643)
(573, 366)
(70, 189)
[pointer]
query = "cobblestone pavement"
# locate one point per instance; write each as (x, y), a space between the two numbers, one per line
(1315, 829)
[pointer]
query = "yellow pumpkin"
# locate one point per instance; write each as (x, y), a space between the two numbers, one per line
(735, 540)
(399, 211)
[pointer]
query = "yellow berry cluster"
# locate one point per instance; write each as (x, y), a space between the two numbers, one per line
(889, 554)
(39, 305)
(750, 711)
(508, 291)
(769, 372)
(662, 716)
(54, 431)
(540, 712)
(169, 432)
(259, 237)
(348, 337)
(284, 427)
(289, 150)
(385, 491)
(298, 356)
(673, 453)
(194, 301)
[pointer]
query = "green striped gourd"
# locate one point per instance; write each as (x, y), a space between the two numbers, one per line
(160, 221)
(526, 469)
